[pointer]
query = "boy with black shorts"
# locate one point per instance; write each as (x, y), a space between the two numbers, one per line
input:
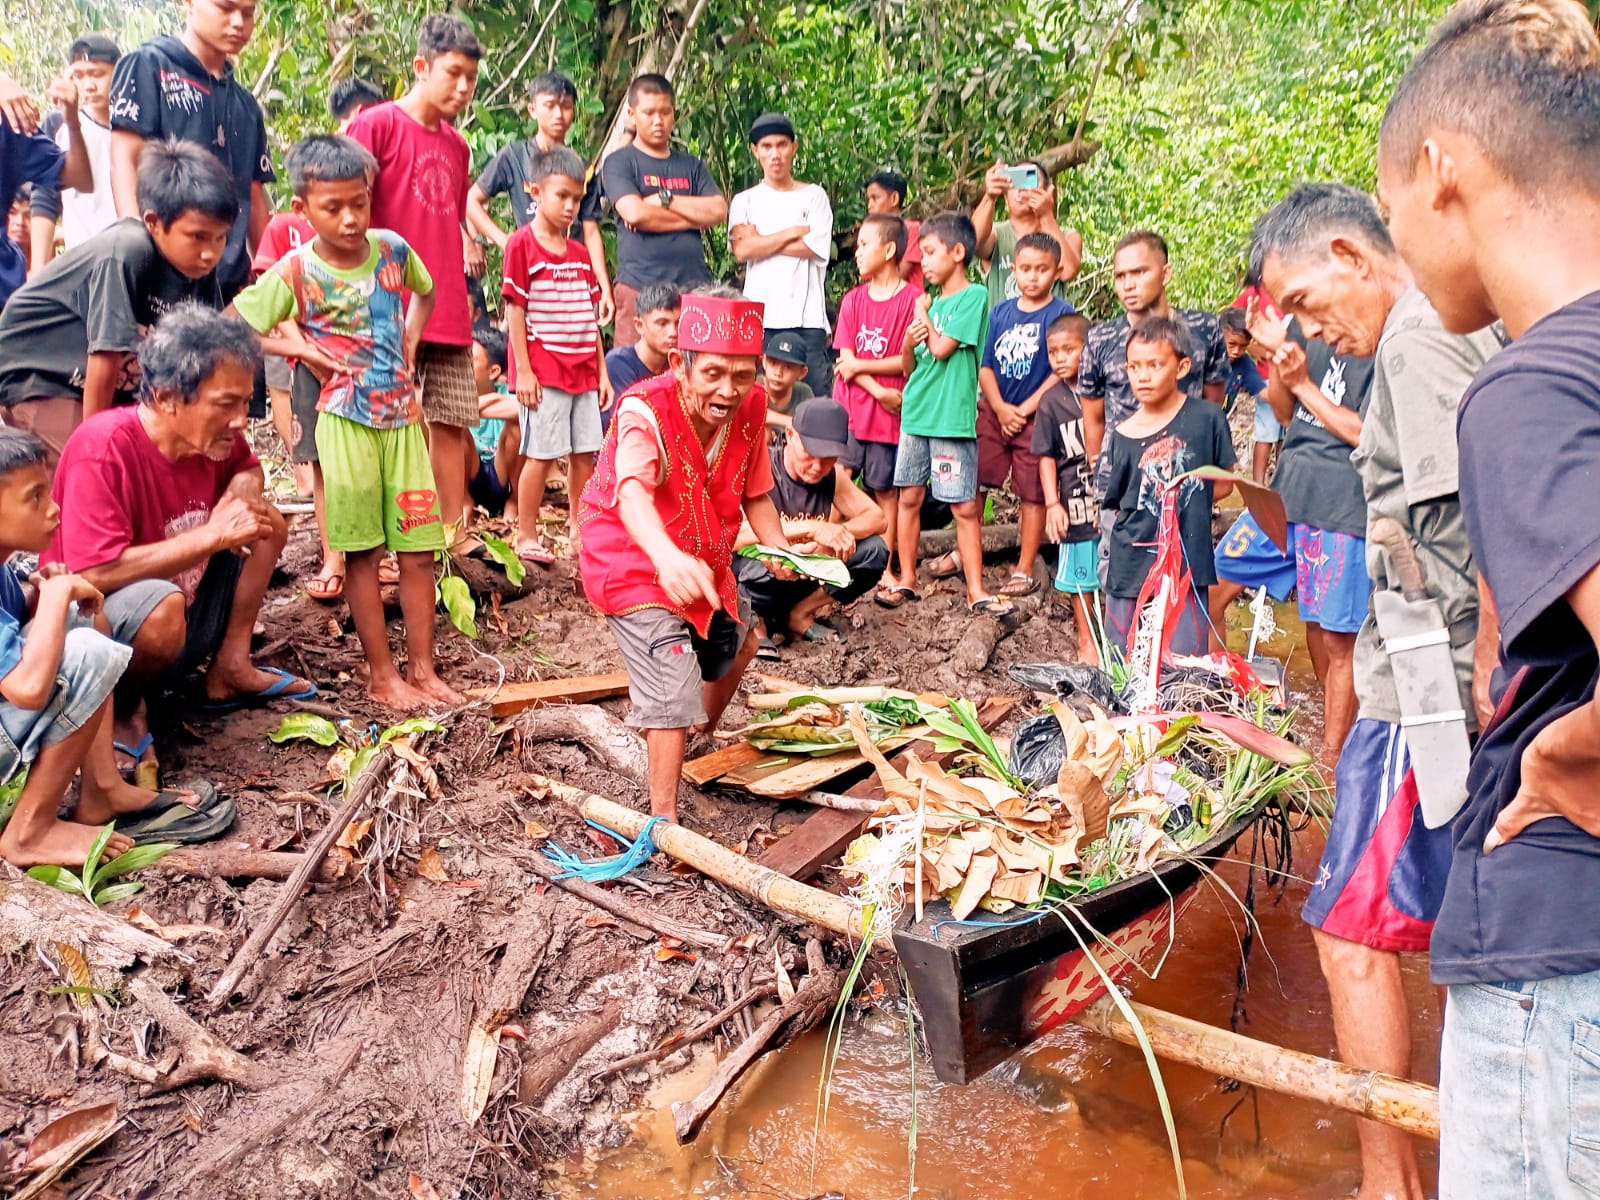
(869, 378)
(344, 292)
(558, 365)
(421, 194)
(1067, 479)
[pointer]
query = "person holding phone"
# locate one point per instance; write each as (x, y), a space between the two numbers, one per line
(1030, 195)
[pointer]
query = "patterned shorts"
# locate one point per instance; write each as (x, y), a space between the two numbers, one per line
(449, 388)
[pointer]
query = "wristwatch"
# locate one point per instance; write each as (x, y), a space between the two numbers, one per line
(664, 197)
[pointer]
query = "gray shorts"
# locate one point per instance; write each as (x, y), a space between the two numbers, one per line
(127, 609)
(91, 664)
(668, 663)
(564, 423)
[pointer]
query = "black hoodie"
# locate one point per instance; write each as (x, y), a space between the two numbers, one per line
(162, 90)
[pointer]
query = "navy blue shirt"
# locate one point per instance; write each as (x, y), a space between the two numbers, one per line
(1015, 350)
(24, 158)
(1530, 472)
(13, 615)
(1244, 377)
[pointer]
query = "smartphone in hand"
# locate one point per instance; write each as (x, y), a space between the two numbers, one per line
(1025, 176)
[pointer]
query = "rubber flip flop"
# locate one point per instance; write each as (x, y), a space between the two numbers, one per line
(945, 566)
(278, 689)
(823, 634)
(1019, 585)
(179, 823)
(991, 606)
(895, 596)
(537, 555)
(326, 588)
(767, 650)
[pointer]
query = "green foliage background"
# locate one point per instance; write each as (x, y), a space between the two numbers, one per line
(1203, 112)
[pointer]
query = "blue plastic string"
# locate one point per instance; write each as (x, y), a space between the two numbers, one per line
(603, 870)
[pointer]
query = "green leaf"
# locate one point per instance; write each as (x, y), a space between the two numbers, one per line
(458, 602)
(91, 865)
(500, 550)
(117, 891)
(409, 725)
(823, 568)
(57, 877)
(136, 859)
(1177, 731)
(358, 764)
(305, 726)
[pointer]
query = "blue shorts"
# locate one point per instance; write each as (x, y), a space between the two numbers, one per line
(1078, 567)
(1268, 427)
(1326, 568)
(1382, 875)
(947, 467)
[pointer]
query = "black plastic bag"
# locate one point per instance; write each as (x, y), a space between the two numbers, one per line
(1067, 679)
(1037, 750)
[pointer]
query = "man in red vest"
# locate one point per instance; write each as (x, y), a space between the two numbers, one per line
(685, 454)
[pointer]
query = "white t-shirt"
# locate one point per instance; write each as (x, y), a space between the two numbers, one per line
(84, 214)
(791, 288)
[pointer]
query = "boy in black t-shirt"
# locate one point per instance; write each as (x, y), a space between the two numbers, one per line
(1067, 479)
(69, 336)
(1169, 436)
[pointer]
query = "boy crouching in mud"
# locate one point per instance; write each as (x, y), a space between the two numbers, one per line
(56, 676)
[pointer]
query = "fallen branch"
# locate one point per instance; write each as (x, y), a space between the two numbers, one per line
(227, 862)
(512, 979)
(32, 914)
(976, 647)
(855, 804)
(997, 539)
(199, 1055)
(689, 1037)
(626, 911)
(554, 1063)
(815, 997)
(618, 748)
(361, 793)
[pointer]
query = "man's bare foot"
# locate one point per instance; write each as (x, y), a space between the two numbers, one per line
(58, 843)
(397, 694)
(99, 804)
(667, 812)
(435, 689)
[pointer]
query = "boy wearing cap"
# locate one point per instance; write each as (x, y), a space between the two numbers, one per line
(782, 230)
(90, 62)
(783, 373)
(823, 512)
(658, 521)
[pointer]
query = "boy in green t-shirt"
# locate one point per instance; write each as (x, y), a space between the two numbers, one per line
(939, 412)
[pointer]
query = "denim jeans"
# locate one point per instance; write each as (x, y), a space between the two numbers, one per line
(1519, 1081)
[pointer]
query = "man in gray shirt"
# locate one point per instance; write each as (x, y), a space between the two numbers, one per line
(1328, 260)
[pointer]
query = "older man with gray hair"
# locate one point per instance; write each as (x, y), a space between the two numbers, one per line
(1325, 254)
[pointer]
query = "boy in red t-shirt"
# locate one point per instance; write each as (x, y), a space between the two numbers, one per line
(558, 365)
(870, 374)
(424, 171)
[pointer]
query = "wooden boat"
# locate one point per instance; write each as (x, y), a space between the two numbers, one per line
(987, 987)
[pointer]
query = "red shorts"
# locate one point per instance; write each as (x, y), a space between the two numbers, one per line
(1000, 456)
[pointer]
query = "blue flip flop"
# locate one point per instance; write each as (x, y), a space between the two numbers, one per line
(278, 689)
(135, 751)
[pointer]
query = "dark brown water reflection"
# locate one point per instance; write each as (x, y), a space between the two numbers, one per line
(1073, 1117)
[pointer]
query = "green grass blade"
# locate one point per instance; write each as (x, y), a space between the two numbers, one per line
(91, 865)
(112, 893)
(136, 859)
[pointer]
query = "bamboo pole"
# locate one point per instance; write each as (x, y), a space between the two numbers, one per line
(1400, 1103)
(833, 913)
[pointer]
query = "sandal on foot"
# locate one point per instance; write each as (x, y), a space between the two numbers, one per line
(168, 819)
(326, 588)
(945, 566)
(817, 632)
(991, 606)
(767, 650)
(537, 554)
(895, 595)
(284, 686)
(1019, 584)
(145, 773)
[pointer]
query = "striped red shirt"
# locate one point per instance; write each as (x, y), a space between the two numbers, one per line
(558, 293)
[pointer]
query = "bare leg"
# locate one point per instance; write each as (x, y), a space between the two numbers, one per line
(665, 749)
(579, 468)
(156, 646)
(35, 836)
(969, 541)
(417, 607)
(908, 533)
(716, 696)
(363, 595)
(232, 673)
(332, 560)
(1088, 651)
(889, 505)
(103, 793)
(1260, 460)
(446, 444)
(1373, 1024)
(1339, 692)
(530, 497)
(1223, 593)
(1030, 534)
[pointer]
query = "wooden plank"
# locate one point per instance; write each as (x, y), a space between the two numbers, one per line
(701, 771)
(579, 689)
(821, 838)
(803, 772)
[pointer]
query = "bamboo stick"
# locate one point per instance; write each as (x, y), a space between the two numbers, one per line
(777, 891)
(1400, 1103)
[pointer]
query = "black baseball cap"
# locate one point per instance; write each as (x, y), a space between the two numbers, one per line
(823, 427)
(93, 47)
(786, 347)
(769, 123)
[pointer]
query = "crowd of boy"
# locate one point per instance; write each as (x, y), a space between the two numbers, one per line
(716, 421)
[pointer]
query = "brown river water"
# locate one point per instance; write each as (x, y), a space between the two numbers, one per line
(1071, 1117)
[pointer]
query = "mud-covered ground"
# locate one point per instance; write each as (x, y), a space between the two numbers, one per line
(357, 1014)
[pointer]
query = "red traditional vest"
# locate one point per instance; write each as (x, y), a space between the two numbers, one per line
(700, 504)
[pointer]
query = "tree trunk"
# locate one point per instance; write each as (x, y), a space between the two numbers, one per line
(32, 914)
